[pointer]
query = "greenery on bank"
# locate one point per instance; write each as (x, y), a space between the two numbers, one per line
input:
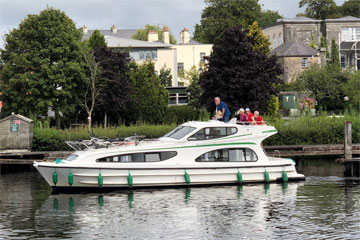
(302, 131)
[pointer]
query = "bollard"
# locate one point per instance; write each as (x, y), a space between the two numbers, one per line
(347, 140)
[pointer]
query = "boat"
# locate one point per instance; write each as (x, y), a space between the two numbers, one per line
(194, 153)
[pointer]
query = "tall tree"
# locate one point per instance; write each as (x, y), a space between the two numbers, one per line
(142, 33)
(268, 17)
(115, 95)
(334, 54)
(194, 90)
(260, 42)
(220, 15)
(93, 84)
(351, 8)
(150, 97)
(42, 64)
(236, 73)
(320, 9)
(96, 40)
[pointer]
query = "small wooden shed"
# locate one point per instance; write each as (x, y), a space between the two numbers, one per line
(16, 133)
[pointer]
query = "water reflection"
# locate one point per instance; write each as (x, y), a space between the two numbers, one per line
(326, 206)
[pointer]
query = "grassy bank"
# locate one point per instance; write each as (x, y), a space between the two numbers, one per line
(302, 131)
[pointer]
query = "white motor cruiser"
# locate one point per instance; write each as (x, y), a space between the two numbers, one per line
(194, 153)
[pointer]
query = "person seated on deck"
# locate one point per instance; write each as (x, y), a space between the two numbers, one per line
(242, 116)
(250, 116)
(258, 119)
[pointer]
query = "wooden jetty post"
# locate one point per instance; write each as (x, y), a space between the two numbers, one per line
(348, 140)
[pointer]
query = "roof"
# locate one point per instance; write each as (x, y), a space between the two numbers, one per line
(122, 33)
(125, 42)
(344, 19)
(18, 116)
(295, 49)
(299, 19)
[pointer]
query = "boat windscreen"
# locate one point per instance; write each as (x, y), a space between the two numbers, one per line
(180, 132)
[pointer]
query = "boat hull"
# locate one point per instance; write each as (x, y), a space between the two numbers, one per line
(170, 176)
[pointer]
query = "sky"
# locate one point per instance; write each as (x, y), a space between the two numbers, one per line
(126, 14)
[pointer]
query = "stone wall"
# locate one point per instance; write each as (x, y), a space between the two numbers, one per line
(292, 66)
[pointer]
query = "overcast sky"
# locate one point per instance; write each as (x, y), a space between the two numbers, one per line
(126, 14)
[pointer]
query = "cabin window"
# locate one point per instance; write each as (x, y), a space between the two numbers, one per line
(229, 155)
(71, 157)
(212, 133)
(140, 157)
(180, 132)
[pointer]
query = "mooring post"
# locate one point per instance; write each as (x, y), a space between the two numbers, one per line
(347, 140)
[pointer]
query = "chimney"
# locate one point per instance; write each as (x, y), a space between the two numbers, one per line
(166, 36)
(85, 29)
(184, 36)
(113, 29)
(153, 36)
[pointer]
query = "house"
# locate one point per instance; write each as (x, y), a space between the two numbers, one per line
(345, 31)
(161, 53)
(190, 53)
(294, 58)
(179, 57)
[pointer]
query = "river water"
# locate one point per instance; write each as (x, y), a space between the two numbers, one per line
(325, 206)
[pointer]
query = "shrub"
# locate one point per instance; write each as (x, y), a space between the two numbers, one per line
(180, 114)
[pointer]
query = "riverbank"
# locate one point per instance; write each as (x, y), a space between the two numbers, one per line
(302, 131)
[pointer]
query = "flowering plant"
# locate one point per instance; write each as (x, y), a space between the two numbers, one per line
(309, 103)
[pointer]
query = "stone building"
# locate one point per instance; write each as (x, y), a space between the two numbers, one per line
(345, 31)
(294, 58)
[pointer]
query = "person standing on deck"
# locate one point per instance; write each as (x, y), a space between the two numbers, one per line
(222, 111)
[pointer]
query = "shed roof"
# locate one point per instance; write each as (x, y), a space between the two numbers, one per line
(295, 49)
(21, 117)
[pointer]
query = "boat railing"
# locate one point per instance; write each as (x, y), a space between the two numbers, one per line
(262, 123)
(96, 143)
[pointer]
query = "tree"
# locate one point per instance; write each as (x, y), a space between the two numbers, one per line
(312, 43)
(334, 55)
(142, 33)
(320, 9)
(326, 84)
(268, 17)
(352, 89)
(150, 97)
(165, 76)
(116, 92)
(220, 15)
(194, 90)
(237, 74)
(351, 8)
(42, 65)
(96, 40)
(93, 84)
(260, 41)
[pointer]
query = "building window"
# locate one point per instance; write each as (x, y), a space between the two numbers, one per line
(141, 55)
(147, 55)
(304, 62)
(202, 59)
(274, 41)
(343, 60)
(180, 68)
(350, 34)
(229, 155)
(280, 39)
